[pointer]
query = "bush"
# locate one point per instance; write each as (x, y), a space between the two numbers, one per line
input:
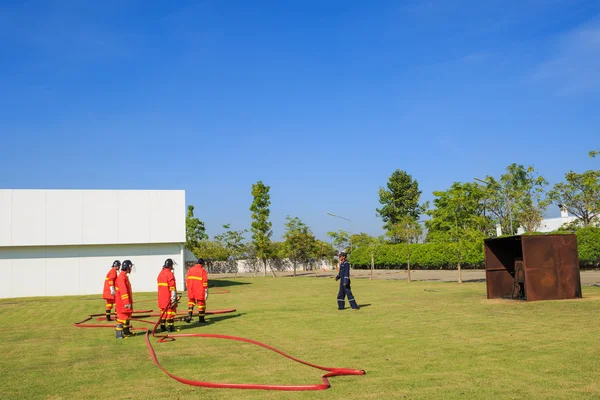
(443, 255)
(588, 246)
(423, 256)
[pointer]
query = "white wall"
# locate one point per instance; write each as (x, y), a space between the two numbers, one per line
(80, 270)
(91, 217)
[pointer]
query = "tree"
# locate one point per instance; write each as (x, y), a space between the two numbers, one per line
(400, 199)
(362, 239)
(195, 232)
(261, 226)
(233, 242)
(594, 153)
(474, 213)
(407, 230)
(579, 195)
(503, 196)
(299, 240)
(531, 200)
(324, 250)
(341, 240)
(211, 251)
(459, 217)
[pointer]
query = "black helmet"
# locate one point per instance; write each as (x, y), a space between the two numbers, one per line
(201, 261)
(117, 263)
(126, 265)
(168, 263)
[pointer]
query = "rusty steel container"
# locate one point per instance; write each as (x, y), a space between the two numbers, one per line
(549, 265)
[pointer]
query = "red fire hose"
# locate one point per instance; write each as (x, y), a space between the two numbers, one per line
(170, 337)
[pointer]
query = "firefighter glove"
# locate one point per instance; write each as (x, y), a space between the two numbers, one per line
(128, 306)
(205, 294)
(112, 290)
(337, 278)
(173, 297)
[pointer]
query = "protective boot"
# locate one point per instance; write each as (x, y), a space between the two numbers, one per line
(171, 325)
(119, 331)
(108, 316)
(201, 319)
(188, 319)
(126, 331)
(163, 328)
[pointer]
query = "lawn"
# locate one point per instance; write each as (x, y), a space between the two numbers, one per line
(419, 340)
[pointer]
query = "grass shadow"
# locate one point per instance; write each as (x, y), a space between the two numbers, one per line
(224, 283)
(210, 320)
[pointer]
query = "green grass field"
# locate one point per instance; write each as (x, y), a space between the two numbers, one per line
(423, 340)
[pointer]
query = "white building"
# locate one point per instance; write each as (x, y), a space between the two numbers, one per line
(552, 224)
(63, 242)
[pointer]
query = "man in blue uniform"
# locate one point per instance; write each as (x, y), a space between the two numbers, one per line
(344, 278)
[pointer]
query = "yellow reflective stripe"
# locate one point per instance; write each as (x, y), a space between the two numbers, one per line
(205, 284)
(196, 278)
(171, 287)
(125, 296)
(163, 284)
(106, 278)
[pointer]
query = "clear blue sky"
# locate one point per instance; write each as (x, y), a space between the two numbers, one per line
(321, 100)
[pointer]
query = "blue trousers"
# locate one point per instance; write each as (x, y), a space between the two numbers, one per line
(345, 291)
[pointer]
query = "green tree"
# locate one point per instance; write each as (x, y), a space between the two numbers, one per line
(261, 226)
(324, 251)
(341, 240)
(233, 242)
(474, 211)
(400, 199)
(531, 200)
(408, 231)
(299, 240)
(505, 195)
(580, 195)
(594, 153)
(195, 232)
(211, 251)
(459, 216)
(362, 239)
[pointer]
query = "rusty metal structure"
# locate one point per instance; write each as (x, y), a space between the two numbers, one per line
(532, 267)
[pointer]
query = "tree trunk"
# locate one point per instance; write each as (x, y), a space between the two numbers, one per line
(408, 268)
(295, 264)
(372, 266)
(265, 263)
(459, 271)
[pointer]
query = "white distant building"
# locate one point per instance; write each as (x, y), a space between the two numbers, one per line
(552, 224)
(63, 242)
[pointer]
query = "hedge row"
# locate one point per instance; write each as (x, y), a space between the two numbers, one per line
(444, 255)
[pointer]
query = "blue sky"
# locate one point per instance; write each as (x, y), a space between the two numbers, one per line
(321, 100)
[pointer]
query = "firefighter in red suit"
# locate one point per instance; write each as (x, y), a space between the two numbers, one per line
(197, 289)
(167, 293)
(109, 288)
(123, 300)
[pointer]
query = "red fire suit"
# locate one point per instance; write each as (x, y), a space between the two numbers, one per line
(106, 295)
(123, 297)
(197, 283)
(166, 284)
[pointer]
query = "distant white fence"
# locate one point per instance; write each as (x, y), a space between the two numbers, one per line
(257, 266)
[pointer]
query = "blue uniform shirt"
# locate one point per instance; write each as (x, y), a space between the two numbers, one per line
(344, 272)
